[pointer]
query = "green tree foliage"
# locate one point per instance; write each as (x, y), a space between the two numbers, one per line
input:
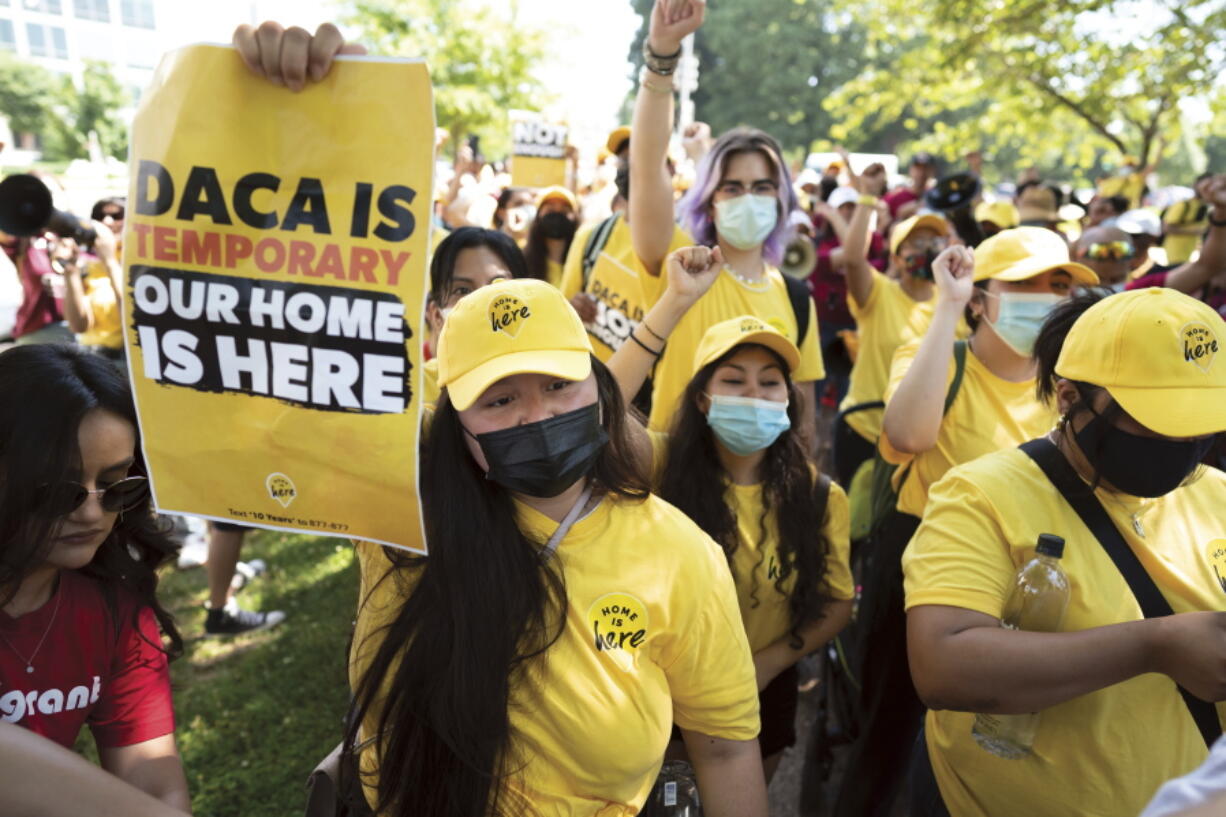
(1053, 83)
(481, 59)
(770, 64)
(62, 114)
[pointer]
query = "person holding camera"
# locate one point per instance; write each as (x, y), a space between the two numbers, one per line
(93, 292)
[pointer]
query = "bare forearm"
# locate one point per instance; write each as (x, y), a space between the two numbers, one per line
(651, 192)
(42, 778)
(855, 251)
(999, 671)
(76, 306)
(913, 414)
(730, 777)
(632, 363)
(779, 655)
(1192, 277)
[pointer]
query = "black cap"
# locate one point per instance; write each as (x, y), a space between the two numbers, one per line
(1050, 545)
(923, 158)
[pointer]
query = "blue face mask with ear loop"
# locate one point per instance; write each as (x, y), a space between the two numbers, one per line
(744, 424)
(1021, 317)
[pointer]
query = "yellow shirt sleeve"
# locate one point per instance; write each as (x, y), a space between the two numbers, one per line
(811, 365)
(958, 556)
(572, 268)
(837, 530)
(707, 660)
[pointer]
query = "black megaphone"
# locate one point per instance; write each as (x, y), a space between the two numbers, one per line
(26, 210)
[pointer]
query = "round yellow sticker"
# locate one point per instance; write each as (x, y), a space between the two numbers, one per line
(619, 624)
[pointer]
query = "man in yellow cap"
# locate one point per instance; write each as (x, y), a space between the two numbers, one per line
(882, 306)
(1140, 387)
(948, 403)
(603, 277)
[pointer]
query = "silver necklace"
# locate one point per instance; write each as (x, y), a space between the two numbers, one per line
(753, 283)
(29, 662)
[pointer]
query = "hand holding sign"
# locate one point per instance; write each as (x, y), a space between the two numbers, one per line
(286, 56)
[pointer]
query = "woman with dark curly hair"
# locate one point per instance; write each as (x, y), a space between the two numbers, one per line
(81, 629)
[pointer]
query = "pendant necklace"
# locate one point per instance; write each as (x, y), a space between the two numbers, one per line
(29, 662)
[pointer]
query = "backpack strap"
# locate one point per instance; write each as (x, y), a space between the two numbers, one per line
(821, 495)
(1153, 604)
(955, 385)
(596, 241)
(802, 302)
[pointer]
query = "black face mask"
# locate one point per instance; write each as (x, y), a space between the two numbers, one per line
(622, 181)
(557, 225)
(920, 266)
(1140, 466)
(545, 458)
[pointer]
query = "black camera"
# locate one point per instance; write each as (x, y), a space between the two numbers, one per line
(26, 210)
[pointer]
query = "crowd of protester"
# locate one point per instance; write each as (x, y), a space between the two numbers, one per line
(692, 465)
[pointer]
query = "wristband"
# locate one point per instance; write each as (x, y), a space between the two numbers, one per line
(1215, 223)
(867, 200)
(663, 86)
(663, 64)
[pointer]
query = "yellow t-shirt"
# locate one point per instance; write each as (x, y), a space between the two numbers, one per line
(728, 298)
(623, 288)
(1099, 755)
(879, 325)
(987, 415)
(1131, 187)
(755, 563)
(107, 330)
(1179, 248)
(553, 272)
(920, 319)
(590, 737)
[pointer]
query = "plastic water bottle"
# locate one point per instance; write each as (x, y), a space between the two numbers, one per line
(675, 793)
(1036, 603)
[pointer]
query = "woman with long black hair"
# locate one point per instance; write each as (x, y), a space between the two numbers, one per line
(734, 460)
(81, 629)
(549, 238)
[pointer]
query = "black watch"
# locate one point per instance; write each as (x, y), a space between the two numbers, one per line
(662, 64)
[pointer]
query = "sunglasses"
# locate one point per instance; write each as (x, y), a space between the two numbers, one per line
(66, 497)
(1110, 251)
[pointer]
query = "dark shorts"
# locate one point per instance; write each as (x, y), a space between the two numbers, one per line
(777, 709)
(777, 706)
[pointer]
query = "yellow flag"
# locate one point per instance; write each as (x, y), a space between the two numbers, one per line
(275, 260)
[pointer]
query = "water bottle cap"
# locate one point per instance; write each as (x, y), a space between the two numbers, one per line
(1050, 545)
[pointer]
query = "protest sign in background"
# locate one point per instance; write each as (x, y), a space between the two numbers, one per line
(275, 258)
(538, 151)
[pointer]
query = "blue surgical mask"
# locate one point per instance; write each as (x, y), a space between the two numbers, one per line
(745, 425)
(1021, 317)
(746, 221)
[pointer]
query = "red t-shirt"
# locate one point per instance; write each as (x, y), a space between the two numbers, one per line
(38, 308)
(896, 199)
(94, 668)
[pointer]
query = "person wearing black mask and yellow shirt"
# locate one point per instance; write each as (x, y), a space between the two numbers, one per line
(1141, 388)
(535, 661)
(1004, 291)
(549, 239)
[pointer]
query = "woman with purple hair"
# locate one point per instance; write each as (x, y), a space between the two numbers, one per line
(740, 202)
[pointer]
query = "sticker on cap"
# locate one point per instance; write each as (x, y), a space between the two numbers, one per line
(1200, 345)
(507, 314)
(779, 326)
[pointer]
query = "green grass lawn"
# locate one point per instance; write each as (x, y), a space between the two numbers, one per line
(257, 712)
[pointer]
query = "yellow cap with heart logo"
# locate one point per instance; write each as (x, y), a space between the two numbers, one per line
(1159, 353)
(506, 328)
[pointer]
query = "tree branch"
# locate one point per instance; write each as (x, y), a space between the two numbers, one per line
(1077, 108)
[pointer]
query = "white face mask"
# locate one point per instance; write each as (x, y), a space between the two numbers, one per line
(746, 221)
(1021, 317)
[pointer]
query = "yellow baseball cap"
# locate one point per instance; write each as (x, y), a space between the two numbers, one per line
(725, 335)
(617, 139)
(1000, 212)
(932, 221)
(506, 328)
(1024, 252)
(556, 192)
(1156, 352)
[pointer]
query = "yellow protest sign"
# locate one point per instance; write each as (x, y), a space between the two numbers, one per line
(538, 151)
(275, 257)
